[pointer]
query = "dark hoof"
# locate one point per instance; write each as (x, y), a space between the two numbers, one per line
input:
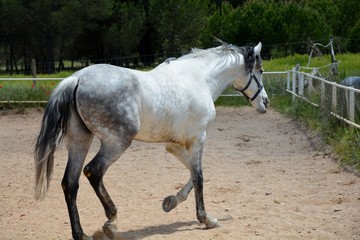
(169, 203)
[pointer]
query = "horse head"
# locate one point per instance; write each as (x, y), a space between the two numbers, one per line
(250, 84)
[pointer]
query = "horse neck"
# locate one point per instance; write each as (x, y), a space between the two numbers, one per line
(222, 73)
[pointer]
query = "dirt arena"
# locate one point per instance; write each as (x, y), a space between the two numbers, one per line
(264, 179)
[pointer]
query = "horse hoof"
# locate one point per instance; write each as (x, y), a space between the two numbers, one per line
(211, 223)
(169, 203)
(110, 230)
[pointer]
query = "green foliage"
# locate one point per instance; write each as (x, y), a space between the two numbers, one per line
(231, 101)
(344, 140)
(349, 15)
(354, 38)
(178, 24)
(347, 144)
(109, 30)
(285, 63)
(125, 32)
(24, 91)
(271, 22)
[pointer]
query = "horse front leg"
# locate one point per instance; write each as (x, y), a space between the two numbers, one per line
(172, 201)
(197, 180)
(182, 154)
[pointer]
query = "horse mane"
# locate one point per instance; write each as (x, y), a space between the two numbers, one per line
(247, 52)
(224, 51)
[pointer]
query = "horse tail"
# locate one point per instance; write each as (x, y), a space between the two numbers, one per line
(53, 129)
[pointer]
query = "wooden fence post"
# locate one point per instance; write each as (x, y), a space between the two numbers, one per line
(322, 93)
(33, 70)
(288, 80)
(294, 85)
(301, 84)
(352, 105)
(334, 98)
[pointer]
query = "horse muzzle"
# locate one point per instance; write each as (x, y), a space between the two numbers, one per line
(264, 104)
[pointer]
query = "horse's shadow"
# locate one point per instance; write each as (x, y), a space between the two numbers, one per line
(164, 229)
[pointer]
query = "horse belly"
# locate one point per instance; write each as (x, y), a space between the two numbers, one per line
(178, 127)
(157, 131)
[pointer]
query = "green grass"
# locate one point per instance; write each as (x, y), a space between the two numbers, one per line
(349, 64)
(346, 143)
(27, 90)
(24, 91)
(344, 140)
(233, 101)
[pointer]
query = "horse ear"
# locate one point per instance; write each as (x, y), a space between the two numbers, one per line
(257, 49)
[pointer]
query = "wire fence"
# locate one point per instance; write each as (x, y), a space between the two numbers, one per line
(342, 102)
(33, 87)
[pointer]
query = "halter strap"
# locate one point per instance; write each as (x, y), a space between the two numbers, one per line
(260, 87)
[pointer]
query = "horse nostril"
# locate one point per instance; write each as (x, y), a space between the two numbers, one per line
(266, 102)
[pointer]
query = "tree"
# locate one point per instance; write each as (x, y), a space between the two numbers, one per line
(126, 30)
(42, 32)
(178, 24)
(272, 22)
(354, 38)
(70, 26)
(95, 18)
(12, 31)
(349, 14)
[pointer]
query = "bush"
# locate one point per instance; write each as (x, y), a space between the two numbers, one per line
(21, 94)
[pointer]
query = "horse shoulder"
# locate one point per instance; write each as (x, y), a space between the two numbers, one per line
(172, 108)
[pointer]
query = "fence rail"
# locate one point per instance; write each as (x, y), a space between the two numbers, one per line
(34, 80)
(305, 86)
(300, 84)
(30, 79)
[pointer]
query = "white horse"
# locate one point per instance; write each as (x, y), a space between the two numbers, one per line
(173, 103)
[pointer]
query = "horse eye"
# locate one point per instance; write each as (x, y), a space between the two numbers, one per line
(261, 71)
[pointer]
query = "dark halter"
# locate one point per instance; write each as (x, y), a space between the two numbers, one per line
(260, 87)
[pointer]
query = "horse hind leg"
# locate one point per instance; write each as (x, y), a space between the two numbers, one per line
(111, 149)
(78, 140)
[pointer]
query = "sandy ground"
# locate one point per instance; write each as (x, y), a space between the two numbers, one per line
(264, 179)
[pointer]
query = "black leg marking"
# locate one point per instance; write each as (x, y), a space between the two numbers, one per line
(95, 174)
(70, 185)
(197, 178)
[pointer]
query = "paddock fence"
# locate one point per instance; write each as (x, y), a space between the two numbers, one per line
(343, 102)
